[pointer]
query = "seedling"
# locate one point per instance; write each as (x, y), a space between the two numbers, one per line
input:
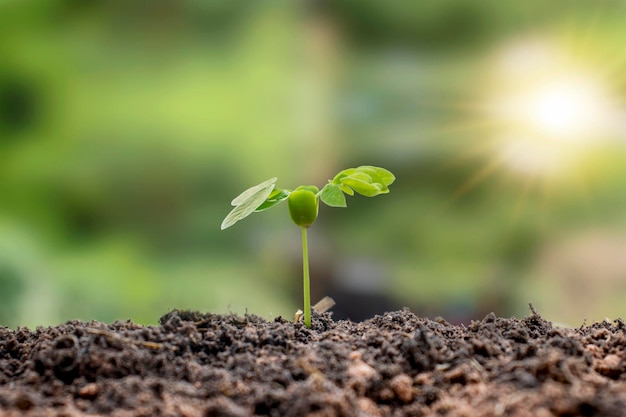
(303, 203)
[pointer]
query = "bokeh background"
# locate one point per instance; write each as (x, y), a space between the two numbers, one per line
(126, 128)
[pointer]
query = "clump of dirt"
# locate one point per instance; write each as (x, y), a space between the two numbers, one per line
(397, 364)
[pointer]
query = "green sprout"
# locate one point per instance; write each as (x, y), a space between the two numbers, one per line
(303, 203)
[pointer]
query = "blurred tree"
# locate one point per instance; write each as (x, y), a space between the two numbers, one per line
(124, 126)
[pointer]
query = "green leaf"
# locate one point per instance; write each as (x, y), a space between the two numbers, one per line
(246, 202)
(382, 175)
(343, 174)
(373, 178)
(362, 184)
(277, 196)
(332, 195)
(366, 180)
(346, 189)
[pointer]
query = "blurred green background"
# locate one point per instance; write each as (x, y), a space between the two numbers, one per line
(126, 128)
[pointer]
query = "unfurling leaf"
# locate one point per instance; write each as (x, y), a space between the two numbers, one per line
(366, 180)
(362, 185)
(385, 177)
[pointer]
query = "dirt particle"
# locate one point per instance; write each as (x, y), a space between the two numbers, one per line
(402, 386)
(24, 402)
(368, 408)
(360, 374)
(88, 391)
(609, 366)
(224, 407)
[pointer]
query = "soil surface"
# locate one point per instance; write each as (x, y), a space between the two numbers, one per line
(397, 364)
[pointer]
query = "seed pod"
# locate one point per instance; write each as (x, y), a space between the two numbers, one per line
(303, 205)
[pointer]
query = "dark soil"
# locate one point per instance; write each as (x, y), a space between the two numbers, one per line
(397, 364)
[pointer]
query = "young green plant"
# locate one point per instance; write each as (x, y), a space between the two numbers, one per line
(303, 202)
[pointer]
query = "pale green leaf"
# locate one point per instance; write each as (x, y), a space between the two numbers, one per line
(244, 196)
(248, 201)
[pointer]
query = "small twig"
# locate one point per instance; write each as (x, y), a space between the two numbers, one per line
(324, 305)
(533, 310)
(113, 336)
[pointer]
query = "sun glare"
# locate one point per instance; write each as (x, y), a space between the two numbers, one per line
(549, 115)
(544, 116)
(563, 110)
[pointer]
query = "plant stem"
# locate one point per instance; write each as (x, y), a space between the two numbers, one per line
(307, 282)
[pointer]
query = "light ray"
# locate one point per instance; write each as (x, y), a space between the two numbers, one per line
(477, 178)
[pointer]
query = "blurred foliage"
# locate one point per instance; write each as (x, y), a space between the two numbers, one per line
(123, 126)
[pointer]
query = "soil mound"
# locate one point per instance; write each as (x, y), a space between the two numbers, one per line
(397, 364)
